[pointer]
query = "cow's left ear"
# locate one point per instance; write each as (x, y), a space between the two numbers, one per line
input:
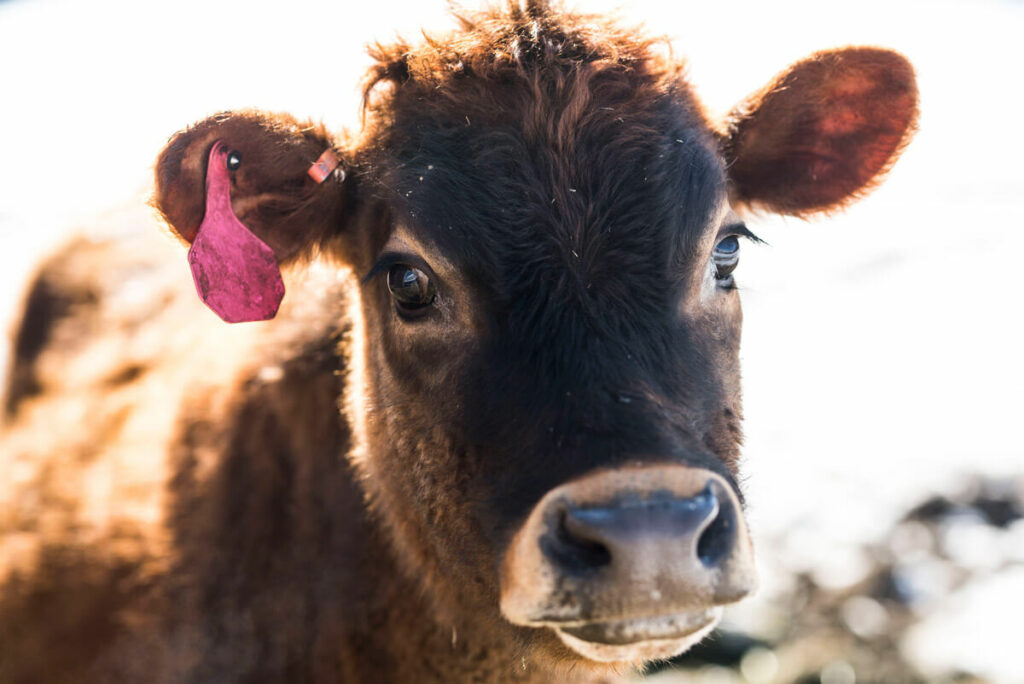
(250, 191)
(823, 132)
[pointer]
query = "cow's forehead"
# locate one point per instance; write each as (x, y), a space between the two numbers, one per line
(580, 188)
(538, 144)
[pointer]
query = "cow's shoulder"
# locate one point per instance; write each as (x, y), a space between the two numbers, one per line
(139, 428)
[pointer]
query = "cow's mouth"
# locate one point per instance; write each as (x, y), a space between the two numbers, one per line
(638, 639)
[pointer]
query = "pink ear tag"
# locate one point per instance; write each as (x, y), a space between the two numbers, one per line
(236, 273)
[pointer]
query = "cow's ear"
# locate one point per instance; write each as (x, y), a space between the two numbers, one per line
(268, 160)
(823, 132)
(250, 191)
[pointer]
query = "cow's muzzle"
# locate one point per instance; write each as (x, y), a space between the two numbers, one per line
(631, 564)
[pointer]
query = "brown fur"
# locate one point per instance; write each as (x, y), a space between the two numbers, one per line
(823, 133)
(284, 207)
(184, 502)
(132, 549)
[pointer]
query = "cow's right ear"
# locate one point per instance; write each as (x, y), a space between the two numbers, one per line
(268, 159)
(250, 191)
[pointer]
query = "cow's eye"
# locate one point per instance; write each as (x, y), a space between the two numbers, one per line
(234, 160)
(726, 258)
(410, 287)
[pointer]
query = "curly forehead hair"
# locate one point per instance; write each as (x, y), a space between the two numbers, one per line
(534, 41)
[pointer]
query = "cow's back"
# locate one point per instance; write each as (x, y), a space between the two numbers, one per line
(148, 451)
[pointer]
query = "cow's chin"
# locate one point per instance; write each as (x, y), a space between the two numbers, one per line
(641, 640)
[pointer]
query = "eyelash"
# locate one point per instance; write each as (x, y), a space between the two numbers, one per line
(727, 282)
(390, 259)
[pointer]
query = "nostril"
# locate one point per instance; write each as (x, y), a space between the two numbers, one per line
(572, 550)
(718, 538)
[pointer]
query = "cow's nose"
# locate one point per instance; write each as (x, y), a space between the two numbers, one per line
(629, 561)
(620, 532)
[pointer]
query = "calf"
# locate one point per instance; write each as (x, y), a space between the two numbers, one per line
(517, 284)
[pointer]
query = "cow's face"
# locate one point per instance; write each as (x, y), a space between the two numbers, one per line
(552, 393)
(545, 381)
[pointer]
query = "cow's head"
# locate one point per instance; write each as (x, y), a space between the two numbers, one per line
(545, 381)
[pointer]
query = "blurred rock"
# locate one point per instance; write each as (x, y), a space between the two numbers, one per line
(759, 666)
(865, 617)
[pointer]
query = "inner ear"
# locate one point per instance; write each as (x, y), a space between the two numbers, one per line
(823, 132)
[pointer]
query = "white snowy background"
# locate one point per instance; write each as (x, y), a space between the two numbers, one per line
(883, 348)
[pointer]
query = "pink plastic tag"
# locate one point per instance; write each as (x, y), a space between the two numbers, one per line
(236, 273)
(323, 167)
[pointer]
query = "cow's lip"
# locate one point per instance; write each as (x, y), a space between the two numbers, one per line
(638, 639)
(635, 630)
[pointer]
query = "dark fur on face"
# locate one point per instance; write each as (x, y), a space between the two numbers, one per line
(572, 180)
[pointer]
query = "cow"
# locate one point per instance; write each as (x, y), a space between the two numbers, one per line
(489, 428)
